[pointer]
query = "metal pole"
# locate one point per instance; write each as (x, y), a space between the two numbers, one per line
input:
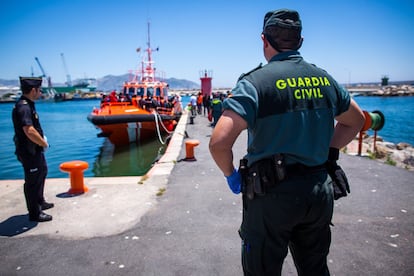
(360, 143)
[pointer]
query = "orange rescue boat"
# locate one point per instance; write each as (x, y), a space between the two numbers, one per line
(143, 110)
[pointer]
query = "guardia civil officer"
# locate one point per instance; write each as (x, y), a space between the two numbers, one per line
(30, 144)
(289, 108)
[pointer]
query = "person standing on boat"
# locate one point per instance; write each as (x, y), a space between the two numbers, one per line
(113, 98)
(30, 144)
(289, 177)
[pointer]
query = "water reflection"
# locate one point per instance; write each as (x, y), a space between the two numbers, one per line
(129, 160)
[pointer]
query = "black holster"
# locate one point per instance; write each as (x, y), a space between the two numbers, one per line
(262, 175)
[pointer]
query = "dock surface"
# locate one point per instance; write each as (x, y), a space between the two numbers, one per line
(183, 220)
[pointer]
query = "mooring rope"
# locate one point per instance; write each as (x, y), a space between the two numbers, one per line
(158, 121)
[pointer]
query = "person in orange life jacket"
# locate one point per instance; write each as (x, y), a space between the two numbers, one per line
(199, 103)
(30, 144)
(113, 97)
(290, 167)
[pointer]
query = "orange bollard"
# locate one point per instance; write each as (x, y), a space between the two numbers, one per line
(189, 149)
(75, 170)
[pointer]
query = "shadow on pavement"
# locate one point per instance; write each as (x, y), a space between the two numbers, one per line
(16, 225)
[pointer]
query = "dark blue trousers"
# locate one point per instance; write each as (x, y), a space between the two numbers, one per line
(35, 172)
(296, 214)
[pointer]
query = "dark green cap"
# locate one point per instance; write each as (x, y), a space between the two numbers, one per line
(30, 82)
(284, 18)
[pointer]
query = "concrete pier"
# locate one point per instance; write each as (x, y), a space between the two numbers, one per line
(182, 219)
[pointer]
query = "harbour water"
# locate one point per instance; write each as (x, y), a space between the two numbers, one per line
(72, 137)
(398, 113)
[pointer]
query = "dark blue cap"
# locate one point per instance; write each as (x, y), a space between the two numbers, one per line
(30, 82)
(283, 18)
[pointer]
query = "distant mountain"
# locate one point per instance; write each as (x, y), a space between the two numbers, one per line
(111, 82)
(182, 84)
(9, 83)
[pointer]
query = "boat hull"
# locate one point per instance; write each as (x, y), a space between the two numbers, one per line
(127, 118)
(125, 125)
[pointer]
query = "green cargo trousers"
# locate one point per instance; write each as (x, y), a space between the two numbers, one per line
(296, 214)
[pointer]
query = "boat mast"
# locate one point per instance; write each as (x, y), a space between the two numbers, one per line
(148, 72)
(149, 45)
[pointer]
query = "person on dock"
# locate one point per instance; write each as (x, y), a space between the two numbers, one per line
(193, 105)
(289, 177)
(216, 108)
(206, 104)
(199, 103)
(30, 144)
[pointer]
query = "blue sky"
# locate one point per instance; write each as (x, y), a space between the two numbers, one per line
(354, 40)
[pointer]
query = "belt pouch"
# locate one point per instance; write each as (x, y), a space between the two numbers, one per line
(279, 167)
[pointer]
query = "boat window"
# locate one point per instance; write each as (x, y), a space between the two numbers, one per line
(158, 92)
(165, 92)
(150, 91)
(131, 91)
(140, 91)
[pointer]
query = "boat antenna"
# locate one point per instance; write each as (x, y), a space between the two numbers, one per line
(148, 71)
(149, 39)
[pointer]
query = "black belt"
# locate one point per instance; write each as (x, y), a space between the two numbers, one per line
(300, 169)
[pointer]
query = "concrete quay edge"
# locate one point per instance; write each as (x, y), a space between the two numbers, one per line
(123, 199)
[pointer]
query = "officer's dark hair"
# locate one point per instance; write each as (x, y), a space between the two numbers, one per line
(283, 38)
(26, 89)
(282, 28)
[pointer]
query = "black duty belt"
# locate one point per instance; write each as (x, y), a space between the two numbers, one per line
(265, 174)
(300, 169)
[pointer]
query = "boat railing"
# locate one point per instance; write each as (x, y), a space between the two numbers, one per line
(164, 110)
(115, 104)
(109, 105)
(159, 109)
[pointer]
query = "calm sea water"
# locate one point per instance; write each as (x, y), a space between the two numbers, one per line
(398, 113)
(73, 137)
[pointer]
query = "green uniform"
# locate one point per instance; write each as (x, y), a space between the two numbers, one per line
(216, 109)
(289, 106)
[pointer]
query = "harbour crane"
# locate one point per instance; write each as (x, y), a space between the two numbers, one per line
(49, 81)
(49, 90)
(68, 79)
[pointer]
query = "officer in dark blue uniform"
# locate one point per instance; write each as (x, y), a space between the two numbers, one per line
(289, 177)
(30, 144)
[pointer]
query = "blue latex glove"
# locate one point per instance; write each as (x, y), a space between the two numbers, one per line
(234, 182)
(48, 146)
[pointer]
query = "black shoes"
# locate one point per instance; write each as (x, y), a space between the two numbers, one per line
(47, 205)
(41, 218)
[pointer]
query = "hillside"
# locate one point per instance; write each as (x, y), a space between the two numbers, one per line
(110, 82)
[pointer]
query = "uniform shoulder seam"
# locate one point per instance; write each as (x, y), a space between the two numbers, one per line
(251, 71)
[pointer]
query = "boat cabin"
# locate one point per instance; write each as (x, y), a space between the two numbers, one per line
(146, 90)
